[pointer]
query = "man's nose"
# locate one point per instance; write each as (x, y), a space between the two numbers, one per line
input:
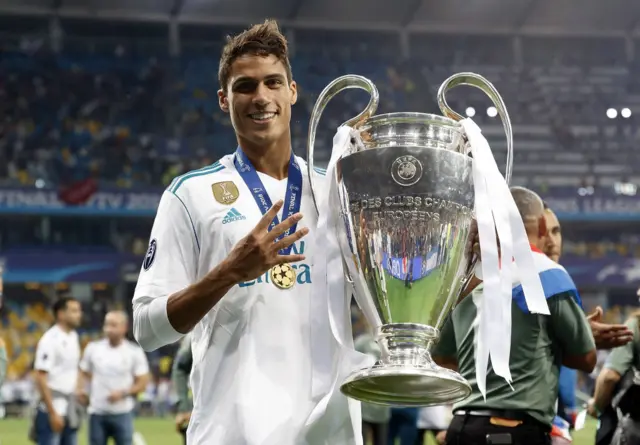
(261, 97)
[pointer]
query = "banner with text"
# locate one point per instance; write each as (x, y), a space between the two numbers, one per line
(104, 202)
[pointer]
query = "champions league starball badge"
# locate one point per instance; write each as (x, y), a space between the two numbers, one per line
(283, 276)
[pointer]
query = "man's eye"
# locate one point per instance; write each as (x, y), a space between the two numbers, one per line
(245, 87)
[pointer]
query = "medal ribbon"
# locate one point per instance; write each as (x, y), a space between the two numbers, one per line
(292, 198)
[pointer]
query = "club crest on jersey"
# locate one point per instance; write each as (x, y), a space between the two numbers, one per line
(225, 192)
(150, 255)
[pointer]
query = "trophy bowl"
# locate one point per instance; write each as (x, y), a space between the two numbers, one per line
(406, 192)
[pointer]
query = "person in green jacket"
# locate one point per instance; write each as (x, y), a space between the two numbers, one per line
(180, 372)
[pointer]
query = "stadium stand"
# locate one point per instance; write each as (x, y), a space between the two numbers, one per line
(113, 106)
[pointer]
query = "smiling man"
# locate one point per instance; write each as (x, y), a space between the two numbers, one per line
(230, 267)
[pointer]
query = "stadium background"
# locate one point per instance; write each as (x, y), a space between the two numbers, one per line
(102, 104)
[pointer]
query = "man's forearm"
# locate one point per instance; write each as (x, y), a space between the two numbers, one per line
(44, 391)
(186, 308)
(605, 385)
(139, 385)
(160, 321)
(83, 379)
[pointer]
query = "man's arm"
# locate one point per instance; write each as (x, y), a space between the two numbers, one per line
(618, 363)
(42, 366)
(572, 332)
(141, 374)
(445, 352)
(168, 301)
(84, 375)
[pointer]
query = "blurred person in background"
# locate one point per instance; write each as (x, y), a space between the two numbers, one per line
(403, 426)
(605, 335)
(433, 420)
(180, 372)
(375, 418)
(567, 378)
(3, 361)
(623, 362)
(56, 374)
(219, 266)
(522, 411)
(115, 370)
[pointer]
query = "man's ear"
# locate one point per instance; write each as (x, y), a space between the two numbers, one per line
(294, 92)
(223, 101)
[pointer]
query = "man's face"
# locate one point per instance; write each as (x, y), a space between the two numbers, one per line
(553, 246)
(72, 314)
(115, 326)
(258, 99)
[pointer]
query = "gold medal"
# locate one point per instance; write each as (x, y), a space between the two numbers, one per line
(283, 276)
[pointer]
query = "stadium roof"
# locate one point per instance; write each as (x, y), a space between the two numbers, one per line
(554, 17)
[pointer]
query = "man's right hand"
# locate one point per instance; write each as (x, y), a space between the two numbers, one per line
(56, 421)
(608, 336)
(257, 252)
(182, 420)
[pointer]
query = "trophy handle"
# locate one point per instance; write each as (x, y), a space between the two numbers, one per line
(336, 86)
(476, 80)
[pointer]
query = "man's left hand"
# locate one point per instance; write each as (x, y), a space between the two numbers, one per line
(608, 336)
(116, 396)
(592, 410)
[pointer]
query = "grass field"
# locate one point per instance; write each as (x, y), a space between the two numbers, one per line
(162, 432)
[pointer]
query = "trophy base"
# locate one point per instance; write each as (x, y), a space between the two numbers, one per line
(398, 385)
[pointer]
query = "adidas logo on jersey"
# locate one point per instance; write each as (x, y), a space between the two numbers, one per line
(233, 215)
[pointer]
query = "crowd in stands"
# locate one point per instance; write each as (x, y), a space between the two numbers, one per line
(131, 116)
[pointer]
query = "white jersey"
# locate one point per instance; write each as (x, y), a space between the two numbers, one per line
(58, 354)
(252, 373)
(112, 369)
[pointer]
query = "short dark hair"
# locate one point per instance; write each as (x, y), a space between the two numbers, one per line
(61, 304)
(259, 40)
(545, 205)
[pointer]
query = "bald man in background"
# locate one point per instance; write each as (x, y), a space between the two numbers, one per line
(116, 371)
(521, 413)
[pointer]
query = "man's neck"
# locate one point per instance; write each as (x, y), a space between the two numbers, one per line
(115, 342)
(64, 327)
(272, 161)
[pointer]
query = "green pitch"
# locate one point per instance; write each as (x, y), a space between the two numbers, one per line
(162, 432)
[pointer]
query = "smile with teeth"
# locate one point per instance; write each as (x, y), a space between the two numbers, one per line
(262, 116)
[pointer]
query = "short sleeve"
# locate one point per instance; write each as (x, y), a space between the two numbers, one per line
(141, 365)
(45, 354)
(85, 362)
(569, 325)
(621, 358)
(446, 346)
(169, 266)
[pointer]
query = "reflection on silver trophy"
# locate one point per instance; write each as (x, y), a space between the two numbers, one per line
(406, 190)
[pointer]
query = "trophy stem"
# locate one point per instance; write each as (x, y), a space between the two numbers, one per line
(406, 343)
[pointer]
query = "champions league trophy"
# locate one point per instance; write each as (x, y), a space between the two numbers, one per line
(406, 192)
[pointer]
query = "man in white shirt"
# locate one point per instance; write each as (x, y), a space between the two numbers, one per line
(117, 371)
(227, 265)
(56, 373)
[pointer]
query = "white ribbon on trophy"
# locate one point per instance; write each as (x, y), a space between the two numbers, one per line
(332, 343)
(499, 221)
